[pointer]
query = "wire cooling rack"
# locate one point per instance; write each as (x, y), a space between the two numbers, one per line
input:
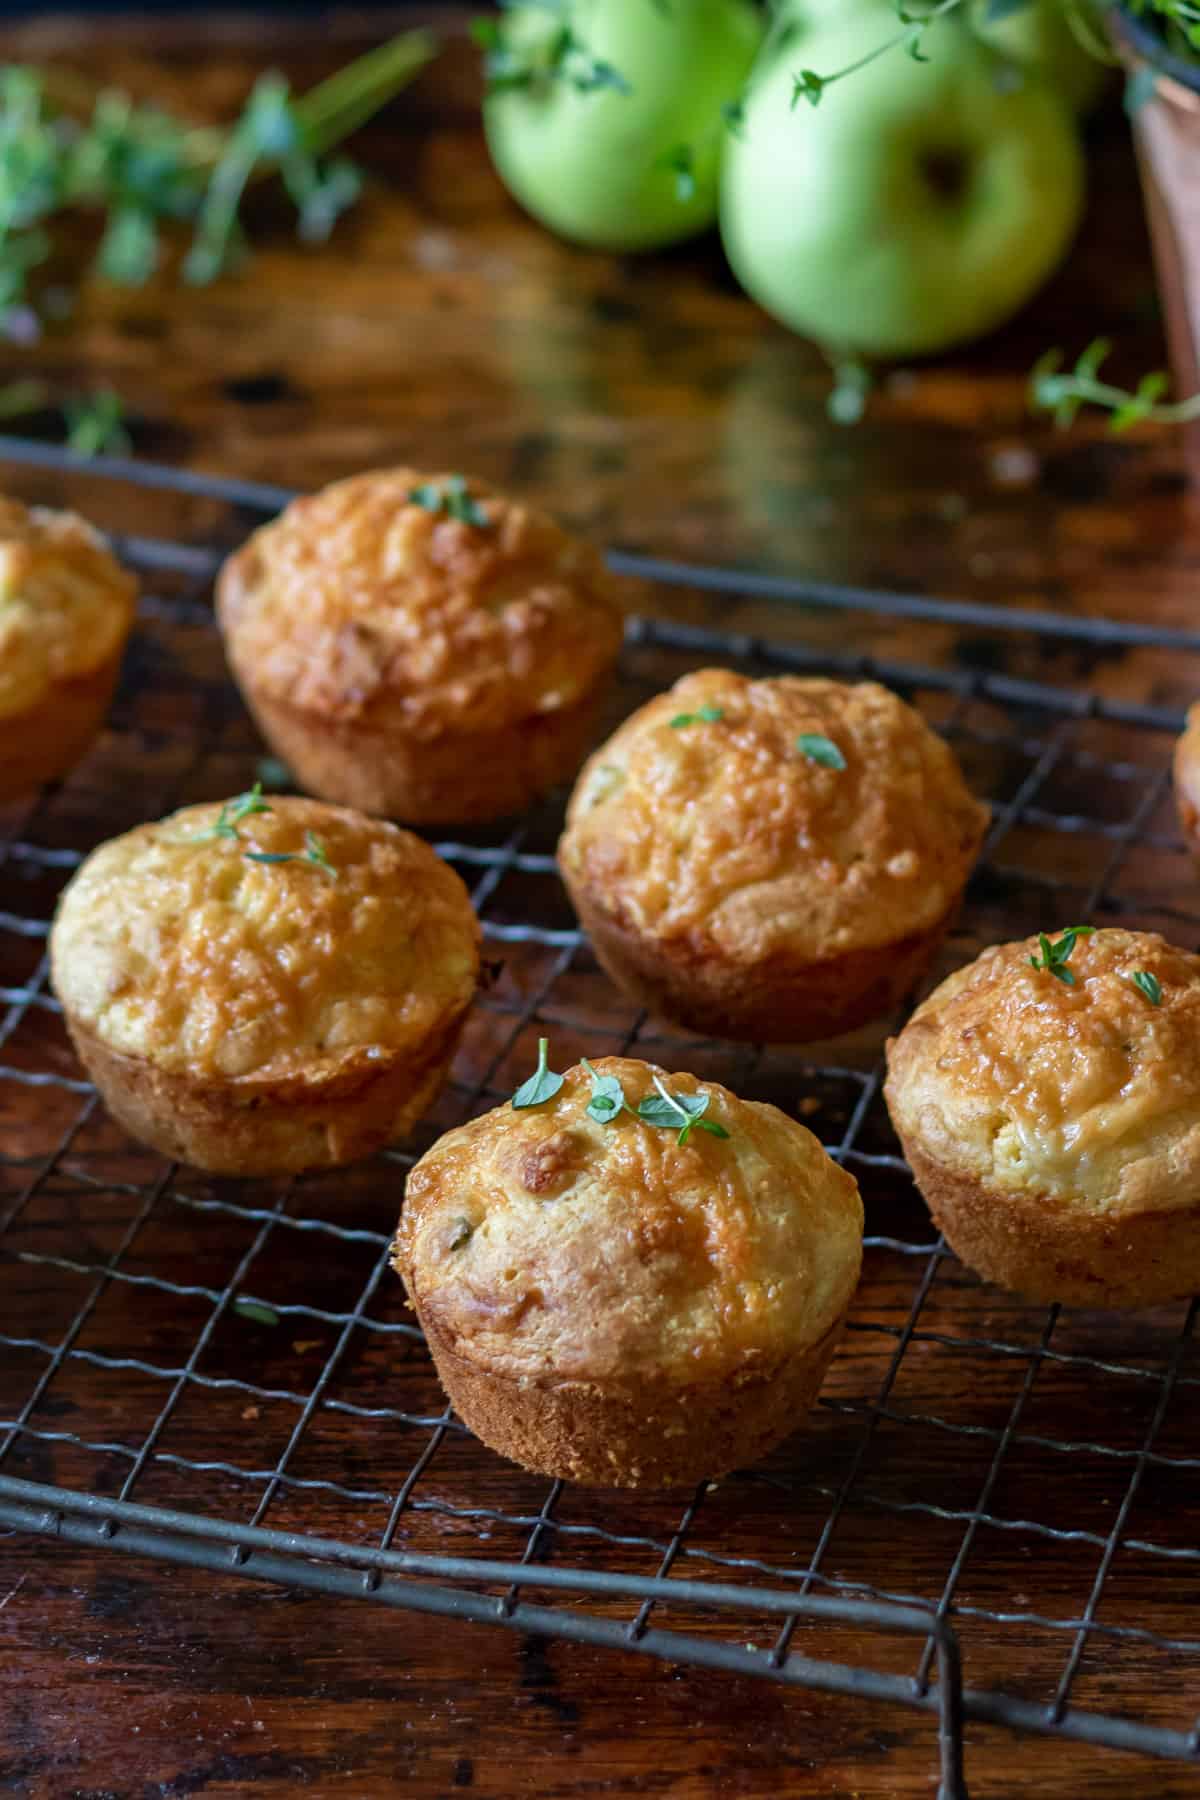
(992, 1514)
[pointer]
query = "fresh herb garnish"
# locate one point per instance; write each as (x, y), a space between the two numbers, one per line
(1054, 957)
(96, 424)
(561, 55)
(678, 1110)
(248, 806)
(1149, 985)
(232, 812)
(821, 750)
(704, 715)
(92, 423)
(316, 853)
(1063, 391)
(542, 1085)
(450, 497)
(608, 1096)
(256, 1310)
(64, 148)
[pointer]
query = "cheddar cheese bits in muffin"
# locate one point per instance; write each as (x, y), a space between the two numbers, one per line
(265, 986)
(66, 609)
(1187, 779)
(420, 646)
(769, 860)
(630, 1278)
(1048, 1100)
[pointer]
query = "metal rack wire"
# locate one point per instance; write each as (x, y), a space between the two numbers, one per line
(1033, 1469)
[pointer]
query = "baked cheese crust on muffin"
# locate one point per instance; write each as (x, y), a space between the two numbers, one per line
(420, 646)
(264, 987)
(771, 860)
(66, 609)
(1187, 778)
(607, 1304)
(1051, 1116)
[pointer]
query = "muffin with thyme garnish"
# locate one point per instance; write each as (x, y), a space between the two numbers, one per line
(1048, 1100)
(629, 1278)
(66, 609)
(265, 987)
(421, 646)
(771, 860)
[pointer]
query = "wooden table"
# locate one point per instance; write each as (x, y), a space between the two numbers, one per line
(649, 403)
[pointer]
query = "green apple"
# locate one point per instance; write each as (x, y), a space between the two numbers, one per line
(1038, 37)
(917, 205)
(613, 135)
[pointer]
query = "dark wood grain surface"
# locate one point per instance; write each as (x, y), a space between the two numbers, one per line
(652, 405)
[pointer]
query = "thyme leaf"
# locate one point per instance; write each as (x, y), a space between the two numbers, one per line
(608, 1096)
(704, 715)
(821, 750)
(1149, 985)
(243, 806)
(542, 1085)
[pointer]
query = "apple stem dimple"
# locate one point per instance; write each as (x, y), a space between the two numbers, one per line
(947, 173)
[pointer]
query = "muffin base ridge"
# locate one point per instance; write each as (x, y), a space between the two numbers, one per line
(281, 1127)
(777, 1001)
(1040, 1246)
(447, 780)
(45, 741)
(642, 1436)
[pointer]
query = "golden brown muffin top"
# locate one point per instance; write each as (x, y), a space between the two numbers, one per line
(1089, 1090)
(723, 829)
(546, 1243)
(359, 603)
(66, 604)
(175, 945)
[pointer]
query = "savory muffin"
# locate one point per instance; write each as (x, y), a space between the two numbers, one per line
(259, 988)
(633, 1281)
(1048, 1100)
(421, 646)
(66, 609)
(771, 860)
(1187, 778)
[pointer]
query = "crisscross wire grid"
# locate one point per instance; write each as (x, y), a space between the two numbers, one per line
(239, 1352)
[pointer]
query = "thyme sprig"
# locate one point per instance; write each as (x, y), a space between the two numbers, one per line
(92, 423)
(242, 806)
(314, 852)
(808, 85)
(684, 1111)
(248, 806)
(562, 56)
(63, 148)
(681, 1113)
(1054, 957)
(451, 497)
(1063, 391)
